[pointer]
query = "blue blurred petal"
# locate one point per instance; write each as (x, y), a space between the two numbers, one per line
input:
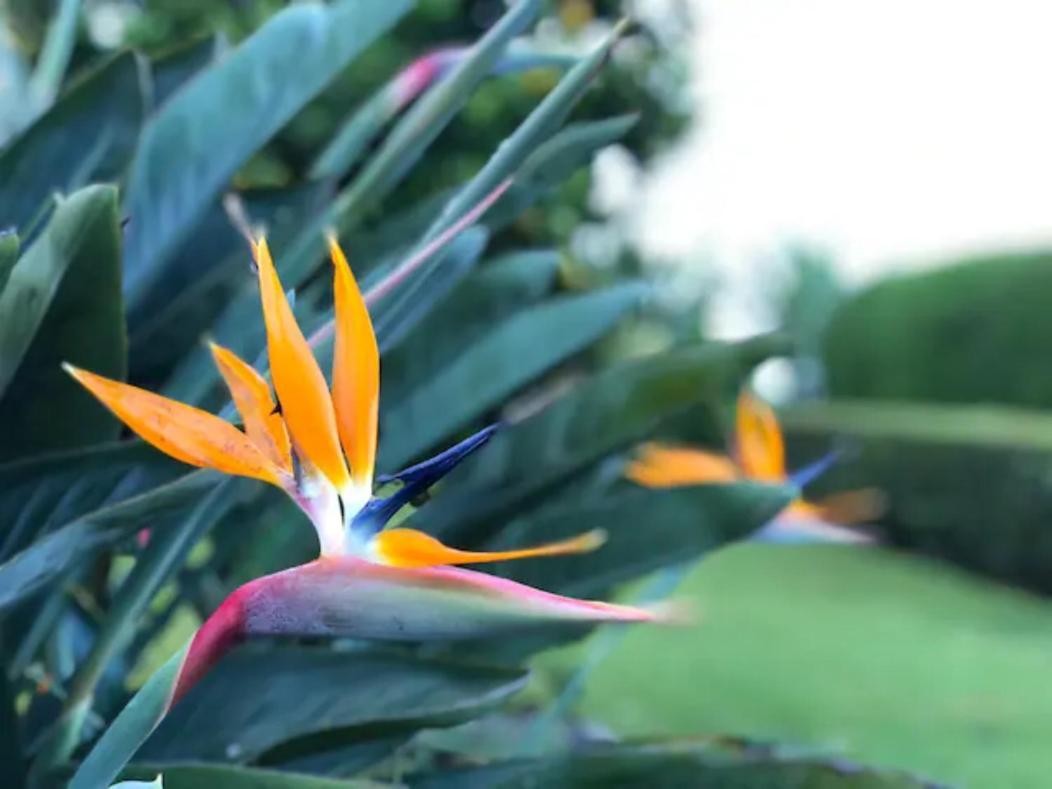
(813, 471)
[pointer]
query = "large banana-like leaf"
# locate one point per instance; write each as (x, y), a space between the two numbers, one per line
(393, 320)
(173, 70)
(51, 557)
(544, 121)
(62, 303)
(192, 147)
(619, 406)
(89, 135)
(163, 556)
(549, 165)
(496, 366)
(44, 493)
(646, 530)
(259, 698)
(500, 288)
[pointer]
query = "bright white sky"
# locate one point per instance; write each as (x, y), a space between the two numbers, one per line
(890, 132)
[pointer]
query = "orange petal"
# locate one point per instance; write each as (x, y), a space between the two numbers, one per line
(849, 507)
(302, 391)
(251, 393)
(758, 438)
(355, 372)
(661, 466)
(412, 548)
(182, 431)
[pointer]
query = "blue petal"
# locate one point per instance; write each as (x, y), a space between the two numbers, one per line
(415, 481)
(813, 471)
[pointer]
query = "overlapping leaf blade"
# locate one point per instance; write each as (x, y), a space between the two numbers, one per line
(621, 405)
(46, 492)
(51, 557)
(258, 698)
(510, 356)
(75, 265)
(89, 135)
(647, 529)
(62, 303)
(247, 97)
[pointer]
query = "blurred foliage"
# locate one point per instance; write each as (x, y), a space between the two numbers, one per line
(969, 484)
(645, 78)
(971, 332)
(941, 384)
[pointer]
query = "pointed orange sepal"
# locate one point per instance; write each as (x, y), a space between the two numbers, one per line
(412, 548)
(302, 391)
(252, 397)
(355, 372)
(182, 431)
(758, 439)
(661, 466)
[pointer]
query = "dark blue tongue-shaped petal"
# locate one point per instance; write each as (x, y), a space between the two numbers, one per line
(415, 482)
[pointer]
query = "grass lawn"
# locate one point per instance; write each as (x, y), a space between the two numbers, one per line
(862, 652)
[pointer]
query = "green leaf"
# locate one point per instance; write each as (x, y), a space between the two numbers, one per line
(9, 247)
(163, 556)
(410, 138)
(51, 557)
(618, 407)
(510, 356)
(541, 124)
(62, 303)
(553, 161)
(646, 530)
(417, 297)
(339, 753)
(366, 122)
(174, 69)
(88, 135)
(130, 728)
(717, 762)
(170, 319)
(503, 286)
(47, 491)
(256, 699)
(211, 776)
(197, 141)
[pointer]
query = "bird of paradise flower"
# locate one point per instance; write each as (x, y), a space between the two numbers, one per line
(319, 446)
(758, 453)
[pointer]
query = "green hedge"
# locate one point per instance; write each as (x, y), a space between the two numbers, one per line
(977, 331)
